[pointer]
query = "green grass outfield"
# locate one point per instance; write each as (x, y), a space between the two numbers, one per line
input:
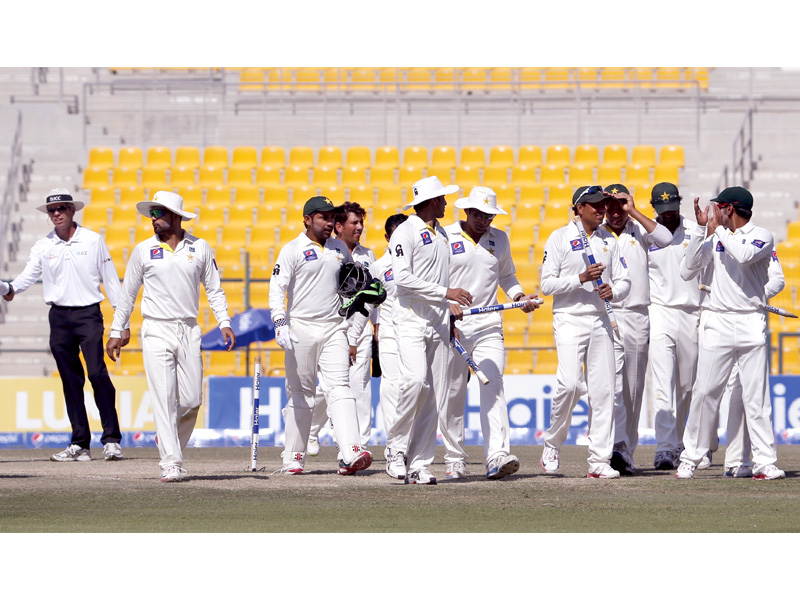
(37, 495)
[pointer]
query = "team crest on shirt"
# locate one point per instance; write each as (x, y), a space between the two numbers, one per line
(388, 275)
(775, 256)
(491, 242)
(156, 253)
(758, 243)
(426, 237)
(622, 260)
(577, 245)
(310, 255)
(191, 249)
(458, 247)
(720, 247)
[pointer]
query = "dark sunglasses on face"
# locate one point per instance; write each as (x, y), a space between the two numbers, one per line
(483, 216)
(157, 213)
(62, 208)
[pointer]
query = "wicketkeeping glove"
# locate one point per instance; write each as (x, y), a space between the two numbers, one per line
(283, 336)
(373, 294)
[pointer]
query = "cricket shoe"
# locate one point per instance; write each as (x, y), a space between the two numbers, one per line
(549, 460)
(501, 466)
(685, 470)
(769, 472)
(738, 472)
(387, 453)
(362, 461)
(293, 463)
(664, 461)
(705, 463)
(112, 451)
(456, 470)
(618, 463)
(421, 477)
(72, 453)
(172, 474)
(602, 471)
(396, 468)
(312, 448)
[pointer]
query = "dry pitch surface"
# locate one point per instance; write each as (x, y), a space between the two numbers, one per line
(37, 495)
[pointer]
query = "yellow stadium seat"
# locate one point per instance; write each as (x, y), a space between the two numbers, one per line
(96, 216)
(418, 79)
(409, 175)
(240, 176)
(276, 195)
(637, 175)
(495, 175)
(323, 175)
(251, 80)
(559, 194)
(501, 156)
(359, 157)
(588, 78)
(557, 78)
(671, 156)
(445, 78)
(474, 79)
(444, 173)
(335, 193)
(506, 195)
(382, 175)
(531, 192)
(301, 156)
(101, 157)
(531, 78)
(273, 157)
(211, 232)
(330, 156)
(154, 178)
(669, 77)
(102, 196)
(389, 79)
(666, 173)
(519, 361)
(615, 155)
(552, 175)
(700, 75)
(131, 195)
(124, 215)
(124, 176)
(218, 195)
(608, 174)
(363, 79)
(182, 176)
(644, 156)
(211, 176)
(443, 156)
(245, 156)
(587, 155)
(215, 156)
(130, 158)
(546, 360)
(267, 215)
(240, 216)
(159, 157)
(187, 157)
(307, 79)
(387, 156)
(296, 176)
(643, 77)
(500, 79)
(353, 176)
(192, 196)
(143, 231)
(472, 156)
(523, 175)
(579, 175)
(557, 210)
(392, 195)
(613, 77)
(289, 231)
(267, 176)
(530, 156)
(558, 156)
(526, 210)
(299, 194)
(467, 177)
(363, 194)
(380, 212)
(415, 156)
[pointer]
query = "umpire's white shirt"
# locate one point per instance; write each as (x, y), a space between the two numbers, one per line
(479, 267)
(667, 287)
(171, 282)
(563, 263)
(633, 243)
(71, 270)
(306, 276)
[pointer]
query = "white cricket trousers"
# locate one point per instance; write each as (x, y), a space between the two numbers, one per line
(423, 337)
(173, 365)
(737, 452)
(630, 360)
(322, 349)
(584, 344)
(726, 338)
(488, 351)
(673, 366)
(390, 378)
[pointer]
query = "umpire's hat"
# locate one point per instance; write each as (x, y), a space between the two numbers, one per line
(60, 196)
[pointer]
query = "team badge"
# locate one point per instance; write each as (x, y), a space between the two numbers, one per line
(491, 242)
(720, 247)
(577, 245)
(426, 238)
(388, 275)
(156, 253)
(309, 254)
(458, 247)
(758, 243)
(191, 249)
(622, 260)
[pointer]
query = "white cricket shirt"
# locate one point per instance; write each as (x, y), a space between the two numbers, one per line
(420, 262)
(741, 262)
(305, 278)
(171, 282)
(564, 261)
(634, 242)
(356, 333)
(71, 271)
(667, 287)
(382, 269)
(480, 267)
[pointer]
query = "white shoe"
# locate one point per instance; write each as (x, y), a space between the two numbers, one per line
(769, 472)
(602, 471)
(549, 459)
(172, 474)
(456, 470)
(501, 466)
(293, 463)
(396, 468)
(387, 454)
(112, 451)
(705, 463)
(72, 453)
(685, 470)
(312, 448)
(362, 461)
(421, 477)
(738, 472)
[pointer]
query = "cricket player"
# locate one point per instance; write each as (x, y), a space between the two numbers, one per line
(171, 265)
(674, 321)
(348, 227)
(314, 338)
(635, 233)
(732, 329)
(421, 317)
(480, 257)
(582, 329)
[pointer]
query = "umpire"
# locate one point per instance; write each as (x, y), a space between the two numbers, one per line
(71, 260)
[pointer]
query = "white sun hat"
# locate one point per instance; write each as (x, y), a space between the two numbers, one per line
(60, 196)
(427, 188)
(483, 199)
(169, 200)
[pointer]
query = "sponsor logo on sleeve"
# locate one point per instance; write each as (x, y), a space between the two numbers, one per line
(156, 253)
(309, 255)
(388, 275)
(458, 247)
(758, 243)
(426, 238)
(622, 260)
(577, 245)
(720, 247)
(775, 256)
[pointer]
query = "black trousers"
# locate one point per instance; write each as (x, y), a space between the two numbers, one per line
(74, 330)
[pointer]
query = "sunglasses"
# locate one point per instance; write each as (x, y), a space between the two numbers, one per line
(62, 208)
(157, 213)
(589, 191)
(481, 215)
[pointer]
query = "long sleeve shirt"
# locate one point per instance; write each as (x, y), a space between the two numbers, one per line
(667, 286)
(420, 261)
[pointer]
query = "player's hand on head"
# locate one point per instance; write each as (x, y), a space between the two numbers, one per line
(459, 295)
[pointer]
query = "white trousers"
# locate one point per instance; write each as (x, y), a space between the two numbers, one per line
(488, 351)
(390, 378)
(630, 360)
(423, 337)
(738, 450)
(173, 365)
(673, 365)
(726, 338)
(585, 365)
(322, 349)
